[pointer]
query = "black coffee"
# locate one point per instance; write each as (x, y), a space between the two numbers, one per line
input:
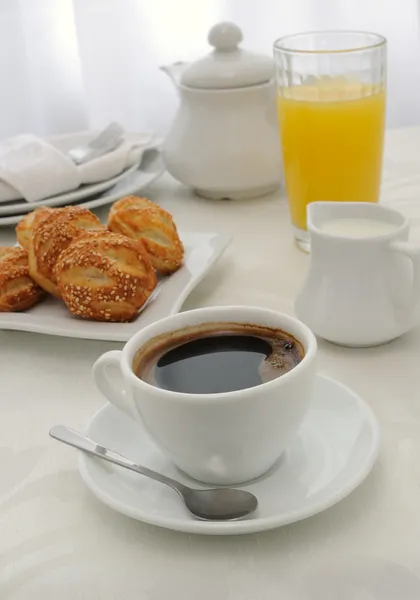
(217, 357)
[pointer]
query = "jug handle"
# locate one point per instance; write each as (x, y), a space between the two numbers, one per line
(413, 253)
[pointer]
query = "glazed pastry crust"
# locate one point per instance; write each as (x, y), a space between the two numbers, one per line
(17, 290)
(52, 236)
(26, 226)
(105, 276)
(141, 219)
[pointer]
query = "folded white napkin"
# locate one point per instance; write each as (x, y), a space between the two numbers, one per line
(34, 169)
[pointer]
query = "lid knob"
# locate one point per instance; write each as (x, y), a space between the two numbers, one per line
(228, 66)
(225, 36)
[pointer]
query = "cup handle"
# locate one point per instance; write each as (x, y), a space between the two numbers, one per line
(112, 393)
(413, 253)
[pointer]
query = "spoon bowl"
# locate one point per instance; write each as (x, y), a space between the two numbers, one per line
(220, 504)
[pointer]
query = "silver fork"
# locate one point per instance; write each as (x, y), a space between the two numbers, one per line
(108, 140)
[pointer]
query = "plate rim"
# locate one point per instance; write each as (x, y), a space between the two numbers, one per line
(11, 220)
(222, 240)
(255, 524)
(83, 191)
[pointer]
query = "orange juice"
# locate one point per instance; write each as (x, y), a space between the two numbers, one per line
(332, 137)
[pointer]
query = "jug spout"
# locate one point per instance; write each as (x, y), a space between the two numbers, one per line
(174, 71)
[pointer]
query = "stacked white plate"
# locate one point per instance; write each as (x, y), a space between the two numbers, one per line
(132, 180)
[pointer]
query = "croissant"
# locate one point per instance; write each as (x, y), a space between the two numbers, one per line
(105, 276)
(17, 290)
(141, 219)
(53, 235)
(26, 226)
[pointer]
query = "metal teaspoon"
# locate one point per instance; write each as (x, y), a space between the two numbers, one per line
(217, 504)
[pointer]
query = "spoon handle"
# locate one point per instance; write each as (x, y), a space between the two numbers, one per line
(82, 442)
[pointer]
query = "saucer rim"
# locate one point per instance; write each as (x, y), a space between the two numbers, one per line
(256, 523)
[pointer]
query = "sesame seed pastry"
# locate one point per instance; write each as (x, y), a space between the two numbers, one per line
(26, 226)
(105, 276)
(6, 251)
(17, 290)
(141, 219)
(53, 235)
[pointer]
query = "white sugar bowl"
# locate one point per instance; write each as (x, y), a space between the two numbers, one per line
(224, 140)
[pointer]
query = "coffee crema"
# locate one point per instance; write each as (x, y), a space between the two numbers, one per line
(217, 357)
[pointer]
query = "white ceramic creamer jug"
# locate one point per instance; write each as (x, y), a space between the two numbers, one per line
(224, 140)
(363, 285)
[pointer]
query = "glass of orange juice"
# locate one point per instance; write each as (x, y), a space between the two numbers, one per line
(331, 112)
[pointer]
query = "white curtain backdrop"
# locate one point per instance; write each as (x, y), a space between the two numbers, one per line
(67, 65)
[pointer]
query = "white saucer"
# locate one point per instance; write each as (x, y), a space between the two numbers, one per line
(332, 454)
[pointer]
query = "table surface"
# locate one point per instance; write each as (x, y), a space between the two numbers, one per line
(56, 540)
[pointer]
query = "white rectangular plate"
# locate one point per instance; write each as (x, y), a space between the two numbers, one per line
(52, 317)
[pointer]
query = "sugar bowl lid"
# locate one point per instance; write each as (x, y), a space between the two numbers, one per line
(228, 66)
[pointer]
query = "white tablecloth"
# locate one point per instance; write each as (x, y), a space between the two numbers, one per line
(57, 541)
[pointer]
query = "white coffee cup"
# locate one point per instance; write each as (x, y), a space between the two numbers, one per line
(224, 438)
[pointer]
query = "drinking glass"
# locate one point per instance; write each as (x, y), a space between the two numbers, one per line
(331, 89)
